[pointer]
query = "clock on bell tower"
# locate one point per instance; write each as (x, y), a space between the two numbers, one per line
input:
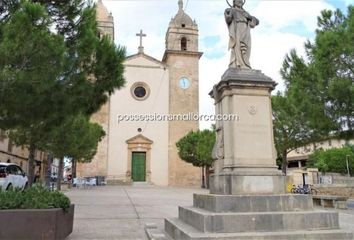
(182, 59)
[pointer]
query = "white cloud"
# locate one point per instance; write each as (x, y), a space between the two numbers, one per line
(276, 15)
(272, 39)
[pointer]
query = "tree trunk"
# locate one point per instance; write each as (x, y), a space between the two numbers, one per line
(207, 174)
(60, 173)
(203, 178)
(31, 165)
(73, 168)
(284, 164)
(48, 174)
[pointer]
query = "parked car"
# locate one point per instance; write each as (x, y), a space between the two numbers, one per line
(12, 176)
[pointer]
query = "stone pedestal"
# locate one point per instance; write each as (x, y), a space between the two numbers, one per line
(245, 152)
(247, 197)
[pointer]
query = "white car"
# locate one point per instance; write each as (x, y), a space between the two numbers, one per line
(12, 176)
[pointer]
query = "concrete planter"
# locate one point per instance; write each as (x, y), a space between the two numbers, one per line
(36, 224)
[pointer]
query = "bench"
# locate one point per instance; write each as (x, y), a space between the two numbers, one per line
(330, 201)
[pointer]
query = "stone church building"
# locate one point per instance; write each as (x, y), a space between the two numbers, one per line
(145, 151)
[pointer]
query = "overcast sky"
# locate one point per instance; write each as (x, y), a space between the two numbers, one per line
(283, 25)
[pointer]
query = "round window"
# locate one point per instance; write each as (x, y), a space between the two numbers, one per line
(140, 91)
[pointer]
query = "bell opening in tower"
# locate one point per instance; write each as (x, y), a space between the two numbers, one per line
(184, 44)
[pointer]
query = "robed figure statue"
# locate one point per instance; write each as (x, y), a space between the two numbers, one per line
(239, 23)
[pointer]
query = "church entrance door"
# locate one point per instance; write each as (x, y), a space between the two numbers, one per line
(139, 166)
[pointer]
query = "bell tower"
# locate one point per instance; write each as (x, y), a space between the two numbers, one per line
(99, 164)
(182, 59)
(104, 20)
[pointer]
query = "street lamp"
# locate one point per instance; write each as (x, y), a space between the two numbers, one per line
(347, 158)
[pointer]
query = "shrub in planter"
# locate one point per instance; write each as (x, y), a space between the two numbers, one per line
(35, 213)
(36, 197)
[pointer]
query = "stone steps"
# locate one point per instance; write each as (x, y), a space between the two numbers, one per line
(263, 203)
(206, 221)
(254, 217)
(179, 230)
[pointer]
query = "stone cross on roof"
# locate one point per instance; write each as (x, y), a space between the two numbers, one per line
(141, 35)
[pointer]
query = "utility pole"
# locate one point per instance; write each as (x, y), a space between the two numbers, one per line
(347, 158)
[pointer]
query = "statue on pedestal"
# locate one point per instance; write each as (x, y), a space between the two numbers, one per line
(239, 23)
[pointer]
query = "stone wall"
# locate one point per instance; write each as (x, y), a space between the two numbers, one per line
(346, 190)
(338, 178)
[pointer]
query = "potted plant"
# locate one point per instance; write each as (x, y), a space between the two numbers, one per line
(35, 213)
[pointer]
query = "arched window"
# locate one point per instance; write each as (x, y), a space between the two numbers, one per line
(184, 44)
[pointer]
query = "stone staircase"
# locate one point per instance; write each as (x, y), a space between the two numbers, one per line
(254, 217)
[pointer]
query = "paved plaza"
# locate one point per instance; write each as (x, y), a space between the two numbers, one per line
(120, 212)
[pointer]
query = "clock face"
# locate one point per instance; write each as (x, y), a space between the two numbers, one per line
(184, 83)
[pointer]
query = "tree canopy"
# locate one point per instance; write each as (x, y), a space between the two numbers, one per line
(318, 100)
(77, 138)
(54, 66)
(332, 53)
(196, 147)
(291, 129)
(333, 160)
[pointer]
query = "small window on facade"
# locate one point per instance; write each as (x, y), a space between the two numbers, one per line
(183, 25)
(184, 44)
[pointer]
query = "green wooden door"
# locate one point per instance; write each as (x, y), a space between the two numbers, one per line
(139, 166)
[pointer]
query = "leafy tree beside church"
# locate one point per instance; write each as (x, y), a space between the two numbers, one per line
(196, 148)
(54, 66)
(77, 138)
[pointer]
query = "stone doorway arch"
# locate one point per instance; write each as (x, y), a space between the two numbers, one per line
(139, 143)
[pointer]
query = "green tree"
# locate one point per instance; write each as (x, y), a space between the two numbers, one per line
(333, 160)
(32, 59)
(291, 129)
(319, 97)
(332, 53)
(323, 86)
(76, 138)
(196, 148)
(54, 65)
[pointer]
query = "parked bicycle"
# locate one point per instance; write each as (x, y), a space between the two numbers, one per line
(305, 189)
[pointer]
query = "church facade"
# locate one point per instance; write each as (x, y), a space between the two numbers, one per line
(140, 145)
